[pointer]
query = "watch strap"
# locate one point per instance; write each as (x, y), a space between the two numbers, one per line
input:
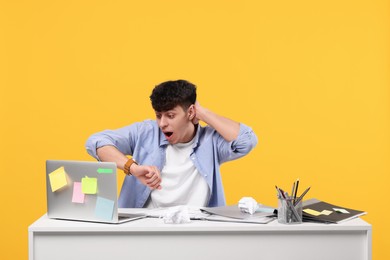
(128, 165)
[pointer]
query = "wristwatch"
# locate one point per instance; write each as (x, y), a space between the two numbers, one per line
(128, 165)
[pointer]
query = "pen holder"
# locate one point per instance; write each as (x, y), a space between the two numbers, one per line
(288, 212)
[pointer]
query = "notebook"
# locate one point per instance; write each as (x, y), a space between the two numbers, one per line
(84, 191)
(315, 210)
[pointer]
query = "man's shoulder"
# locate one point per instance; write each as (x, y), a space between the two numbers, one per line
(147, 124)
(142, 128)
(145, 130)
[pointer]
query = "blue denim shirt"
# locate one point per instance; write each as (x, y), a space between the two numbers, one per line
(147, 144)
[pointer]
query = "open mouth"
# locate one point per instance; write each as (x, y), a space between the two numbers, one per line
(168, 134)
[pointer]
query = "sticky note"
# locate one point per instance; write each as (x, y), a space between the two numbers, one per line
(89, 185)
(105, 171)
(104, 208)
(312, 212)
(78, 195)
(341, 210)
(326, 212)
(58, 179)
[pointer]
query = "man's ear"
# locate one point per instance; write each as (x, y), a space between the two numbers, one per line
(191, 112)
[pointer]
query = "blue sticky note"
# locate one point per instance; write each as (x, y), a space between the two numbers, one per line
(104, 208)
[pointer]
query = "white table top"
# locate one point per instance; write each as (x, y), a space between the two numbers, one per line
(44, 224)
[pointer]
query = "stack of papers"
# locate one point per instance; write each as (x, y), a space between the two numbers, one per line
(232, 213)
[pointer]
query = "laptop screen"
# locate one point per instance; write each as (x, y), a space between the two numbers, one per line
(79, 190)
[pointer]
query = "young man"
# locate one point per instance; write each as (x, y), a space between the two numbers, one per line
(175, 161)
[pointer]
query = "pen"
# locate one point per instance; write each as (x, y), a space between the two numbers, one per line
(293, 188)
(301, 197)
(278, 191)
(296, 190)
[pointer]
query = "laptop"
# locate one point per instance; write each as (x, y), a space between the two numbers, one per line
(84, 191)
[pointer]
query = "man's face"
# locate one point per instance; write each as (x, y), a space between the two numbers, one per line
(176, 124)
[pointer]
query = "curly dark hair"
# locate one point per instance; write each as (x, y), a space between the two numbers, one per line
(169, 94)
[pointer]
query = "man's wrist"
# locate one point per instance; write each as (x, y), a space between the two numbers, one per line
(132, 169)
(128, 164)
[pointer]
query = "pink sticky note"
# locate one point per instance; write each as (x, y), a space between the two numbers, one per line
(78, 195)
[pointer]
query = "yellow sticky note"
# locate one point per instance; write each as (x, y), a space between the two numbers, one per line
(326, 212)
(312, 212)
(89, 185)
(57, 179)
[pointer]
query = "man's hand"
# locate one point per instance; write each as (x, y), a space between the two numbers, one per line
(147, 175)
(197, 112)
(226, 127)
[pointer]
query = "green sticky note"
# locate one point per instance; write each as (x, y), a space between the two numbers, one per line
(104, 170)
(57, 179)
(89, 185)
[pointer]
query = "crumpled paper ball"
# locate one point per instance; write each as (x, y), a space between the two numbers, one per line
(177, 215)
(248, 205)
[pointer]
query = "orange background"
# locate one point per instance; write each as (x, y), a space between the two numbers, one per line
(310, 77)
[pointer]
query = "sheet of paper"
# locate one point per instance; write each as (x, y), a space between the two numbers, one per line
(57, 179)
(265, 209)
(194, 212)
(312, 212)
(341, 210)
(326, 212)
(104, 208)
(78, 195)
(89, 185)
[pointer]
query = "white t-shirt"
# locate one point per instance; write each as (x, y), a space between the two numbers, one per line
(181, 182)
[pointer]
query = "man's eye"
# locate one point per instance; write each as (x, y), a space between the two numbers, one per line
(158, 116)
(171, 116)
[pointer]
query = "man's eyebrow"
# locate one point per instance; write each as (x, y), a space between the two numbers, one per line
(166, 112)
(169, 111)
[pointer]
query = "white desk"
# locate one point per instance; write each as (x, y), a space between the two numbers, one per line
(152, 239)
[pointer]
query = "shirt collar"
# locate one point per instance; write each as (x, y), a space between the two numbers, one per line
(163, 140)
(197, 134)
